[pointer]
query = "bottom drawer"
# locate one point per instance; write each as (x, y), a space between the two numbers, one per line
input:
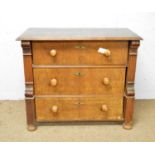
(78, 109)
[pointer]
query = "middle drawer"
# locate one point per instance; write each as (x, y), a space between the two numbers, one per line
(75, 81)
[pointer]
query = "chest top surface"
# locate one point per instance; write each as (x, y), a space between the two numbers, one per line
(47, 34)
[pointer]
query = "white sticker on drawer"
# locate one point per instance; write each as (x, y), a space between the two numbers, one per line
(102, 50)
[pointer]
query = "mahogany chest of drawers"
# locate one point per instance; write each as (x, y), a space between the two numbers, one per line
(79, 75)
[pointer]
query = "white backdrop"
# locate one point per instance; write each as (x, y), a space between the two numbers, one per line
(21, 15)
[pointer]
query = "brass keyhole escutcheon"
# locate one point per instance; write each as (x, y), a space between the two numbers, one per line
(78, 74)
(79, 103)
(80, 46)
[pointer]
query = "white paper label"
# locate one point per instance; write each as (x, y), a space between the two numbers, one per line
(102, 50)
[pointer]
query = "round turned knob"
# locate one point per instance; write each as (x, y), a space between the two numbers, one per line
(54, 109)
(53, 82)
(53, 52)
(106, 81)
(104, 108)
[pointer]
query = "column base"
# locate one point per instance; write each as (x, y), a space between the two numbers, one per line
(31, 127)
(128, 125)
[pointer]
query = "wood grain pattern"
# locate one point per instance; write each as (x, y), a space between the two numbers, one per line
(79, 109)
(78, 34)
(67, 79)
(131, 68)
(79, 81)
(128, 111)
(29, 88)
(133, 47)
(128, 108)
(129, 93)
(79, 52)
(28, 68)
(27, 52)
(31, 114)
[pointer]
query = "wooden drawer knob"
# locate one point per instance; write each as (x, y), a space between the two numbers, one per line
(104, 108)
(53, 82)
(53, 52)
(106, 81)
(54, 109)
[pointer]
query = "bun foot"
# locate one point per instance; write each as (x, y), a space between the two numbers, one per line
(31, 127)
(127, 125)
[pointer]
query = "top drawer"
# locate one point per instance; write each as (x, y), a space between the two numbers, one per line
(79, 52)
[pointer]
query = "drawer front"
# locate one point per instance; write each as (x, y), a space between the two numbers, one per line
(81, 52)
(79, 109)
(85, 81)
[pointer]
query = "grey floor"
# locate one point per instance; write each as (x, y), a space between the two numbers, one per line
(13, 126)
